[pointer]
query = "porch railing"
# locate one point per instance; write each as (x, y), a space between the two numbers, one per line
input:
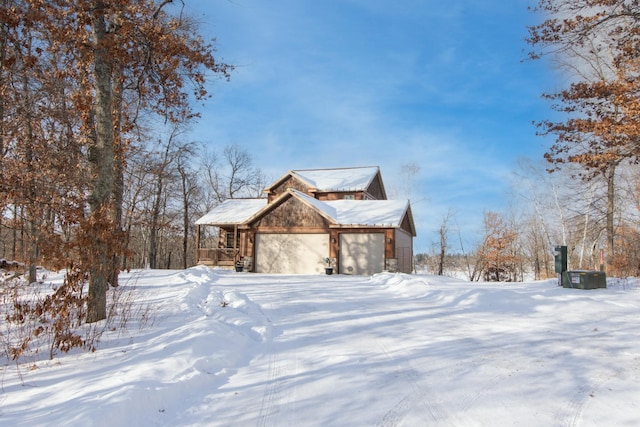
(217, 257)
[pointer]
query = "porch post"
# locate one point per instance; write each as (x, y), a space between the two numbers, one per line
(235, 242)
(197, 244)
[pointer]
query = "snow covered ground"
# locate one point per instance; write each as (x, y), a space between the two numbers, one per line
(242, 349)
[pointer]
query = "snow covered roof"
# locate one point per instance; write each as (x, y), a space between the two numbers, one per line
(370, 213)
(337, 179)
(362, 213)
(232, 211)
(341, 179)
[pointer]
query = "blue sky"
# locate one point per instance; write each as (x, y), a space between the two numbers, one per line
(340, 83)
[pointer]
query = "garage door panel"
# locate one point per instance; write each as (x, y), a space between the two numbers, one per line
(291, 253)
(361, 253)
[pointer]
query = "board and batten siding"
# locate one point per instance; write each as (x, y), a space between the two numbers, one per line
(404, 251)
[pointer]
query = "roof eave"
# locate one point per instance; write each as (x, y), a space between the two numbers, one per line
(409, 214)
(277, 182)
(381, 226)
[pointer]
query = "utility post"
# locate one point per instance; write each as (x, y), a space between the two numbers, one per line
(561, 263)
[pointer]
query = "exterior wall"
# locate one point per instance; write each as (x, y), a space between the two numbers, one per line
(248, 248)
(356, 195)
(373, 192)
(404, 251)
(389, 245)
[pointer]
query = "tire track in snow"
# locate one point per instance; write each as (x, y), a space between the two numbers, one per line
(495, 380)
(420, 396)
(280, 371)
(571, 415)
(269, 408)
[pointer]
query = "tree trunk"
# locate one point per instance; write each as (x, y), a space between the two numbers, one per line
(118, 184)
(158, 203)
(102, 162)
(444, 231)
(153, 232)
(31, 190)
(185, 214)
(610, 213)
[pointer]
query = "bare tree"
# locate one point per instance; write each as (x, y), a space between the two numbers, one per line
(231, 174)
(168, 168)
(189, 190)
(597, 41)
(443, 234)
(498, 257)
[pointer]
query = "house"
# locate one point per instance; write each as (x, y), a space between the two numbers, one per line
(307, 217)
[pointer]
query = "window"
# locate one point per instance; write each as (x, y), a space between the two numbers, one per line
(229, 240)
(349, 197)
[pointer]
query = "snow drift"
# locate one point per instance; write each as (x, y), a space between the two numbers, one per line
(244, 349)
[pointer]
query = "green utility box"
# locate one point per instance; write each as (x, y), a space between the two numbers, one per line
(581, 279)
(561, 259)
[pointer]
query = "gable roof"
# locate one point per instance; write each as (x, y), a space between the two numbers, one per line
(342, 179)
(337, 179)
(232, 211)
(363, 213)
(353, 213)
(370, 212)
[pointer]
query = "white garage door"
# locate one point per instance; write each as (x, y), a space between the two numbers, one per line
(361, 253)
(291, 253)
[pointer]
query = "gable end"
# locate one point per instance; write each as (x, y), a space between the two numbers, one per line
(375, 190)
(284, 185)
(407, 223)
(292, 213)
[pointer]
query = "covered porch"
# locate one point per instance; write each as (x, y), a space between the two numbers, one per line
(217, 248)
(221, 236)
